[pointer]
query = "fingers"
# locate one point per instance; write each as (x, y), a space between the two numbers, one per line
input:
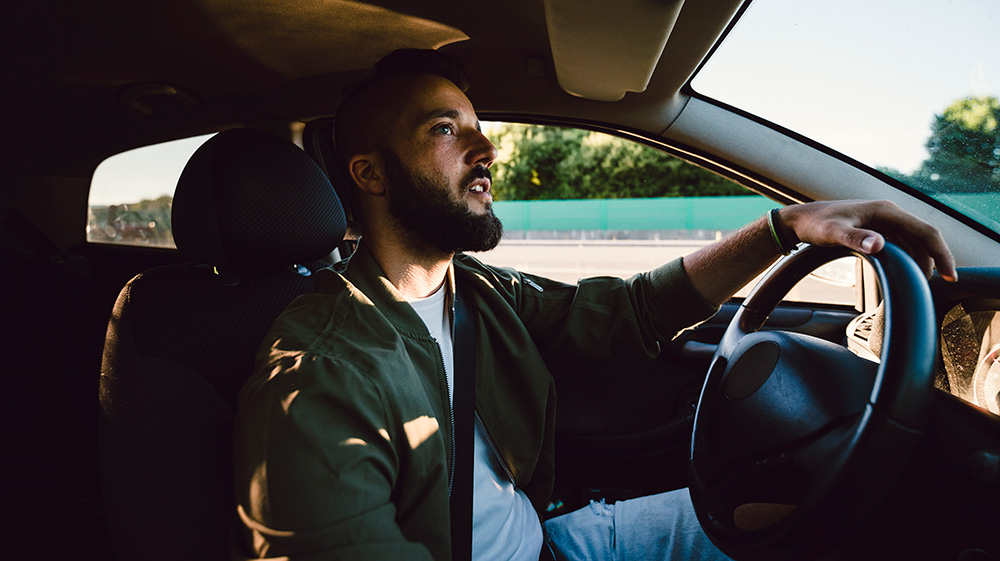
(943, 259)
(864, 226)
(921, 240)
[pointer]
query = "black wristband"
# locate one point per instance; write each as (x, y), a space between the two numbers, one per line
(784, 245)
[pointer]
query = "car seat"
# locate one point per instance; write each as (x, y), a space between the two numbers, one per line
(252, 212)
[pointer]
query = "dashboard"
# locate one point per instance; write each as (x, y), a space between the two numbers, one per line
(970, 354)
(969, 336)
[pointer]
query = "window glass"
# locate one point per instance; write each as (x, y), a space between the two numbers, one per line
(131, 193)
(574, 204)
(577, 203)
(911, 89)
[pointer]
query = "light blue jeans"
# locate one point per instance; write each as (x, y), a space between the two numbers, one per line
(657, 527)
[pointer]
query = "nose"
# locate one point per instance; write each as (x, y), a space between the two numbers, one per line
(482, 151)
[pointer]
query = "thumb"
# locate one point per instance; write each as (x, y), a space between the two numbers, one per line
(866, 241)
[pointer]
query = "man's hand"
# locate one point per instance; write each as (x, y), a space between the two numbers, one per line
(719, 270)
(864, 226)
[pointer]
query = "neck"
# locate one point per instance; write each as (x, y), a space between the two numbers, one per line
(415, 274)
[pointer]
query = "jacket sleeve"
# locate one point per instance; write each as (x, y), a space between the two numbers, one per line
(605, 316)
(315, 465)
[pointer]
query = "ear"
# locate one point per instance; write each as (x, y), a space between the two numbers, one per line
(365, 171)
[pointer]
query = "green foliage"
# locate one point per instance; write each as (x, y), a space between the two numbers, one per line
(541, 163)
(964, 149)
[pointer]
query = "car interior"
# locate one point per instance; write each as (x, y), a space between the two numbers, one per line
(124, 359)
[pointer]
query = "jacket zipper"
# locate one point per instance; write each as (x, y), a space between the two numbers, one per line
(451, 406)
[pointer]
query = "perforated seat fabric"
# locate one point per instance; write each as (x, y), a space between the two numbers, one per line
(182, 340)
(231, 208)
(222, 325)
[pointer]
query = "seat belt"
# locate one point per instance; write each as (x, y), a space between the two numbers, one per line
(463, 427)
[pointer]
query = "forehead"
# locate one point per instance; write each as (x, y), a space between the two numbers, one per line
(426, 98)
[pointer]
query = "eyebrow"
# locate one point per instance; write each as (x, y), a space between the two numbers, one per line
(446, 112)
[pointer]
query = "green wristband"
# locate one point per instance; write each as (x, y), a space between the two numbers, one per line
(784, 246)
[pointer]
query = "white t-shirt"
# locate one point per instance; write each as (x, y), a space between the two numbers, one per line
(504, 524)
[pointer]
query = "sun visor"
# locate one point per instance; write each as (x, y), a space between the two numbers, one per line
(601, 49)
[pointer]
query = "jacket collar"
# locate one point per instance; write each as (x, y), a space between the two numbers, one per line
(366, 274)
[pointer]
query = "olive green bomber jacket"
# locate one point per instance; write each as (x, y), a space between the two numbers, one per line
(342, 445)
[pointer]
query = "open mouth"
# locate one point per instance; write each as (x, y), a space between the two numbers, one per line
(480, 186)
(479, 180)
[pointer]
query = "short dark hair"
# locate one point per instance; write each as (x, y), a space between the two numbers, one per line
(422, 61)
(365, 113)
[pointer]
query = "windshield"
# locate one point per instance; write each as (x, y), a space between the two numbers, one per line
(908, 88)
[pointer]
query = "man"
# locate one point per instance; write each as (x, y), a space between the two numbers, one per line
(343, 448)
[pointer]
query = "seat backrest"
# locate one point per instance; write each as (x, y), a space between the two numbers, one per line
(251, 210)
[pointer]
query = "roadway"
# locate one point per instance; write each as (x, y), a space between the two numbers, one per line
(570, 260)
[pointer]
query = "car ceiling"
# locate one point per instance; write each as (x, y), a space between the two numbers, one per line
(90, 79)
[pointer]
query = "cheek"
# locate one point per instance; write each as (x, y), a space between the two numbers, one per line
(446, 166)
(438, 161)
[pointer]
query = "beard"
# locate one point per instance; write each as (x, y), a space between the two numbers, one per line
(425, 209)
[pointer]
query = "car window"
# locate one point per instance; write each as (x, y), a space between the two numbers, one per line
(912, 89)
(131, 192)
(574, 203)
(577, 203)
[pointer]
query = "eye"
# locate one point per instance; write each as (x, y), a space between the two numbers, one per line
(445, 128)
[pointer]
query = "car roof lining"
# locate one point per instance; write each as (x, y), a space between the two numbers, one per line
(267, 45)
(324, 36)
(273, 60)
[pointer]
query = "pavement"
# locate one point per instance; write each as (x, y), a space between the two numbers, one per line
(571, 260)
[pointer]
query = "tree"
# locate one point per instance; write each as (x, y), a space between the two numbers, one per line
(538, 163)
(964, 148)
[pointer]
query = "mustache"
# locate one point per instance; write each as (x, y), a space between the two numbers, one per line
(478, 172)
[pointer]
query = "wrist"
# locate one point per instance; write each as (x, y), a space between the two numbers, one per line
(785, 225)
(782, 234)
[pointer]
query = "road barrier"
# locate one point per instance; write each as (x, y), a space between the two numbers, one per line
(673, 213)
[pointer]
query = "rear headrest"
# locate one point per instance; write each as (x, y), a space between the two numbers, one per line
(249, 199)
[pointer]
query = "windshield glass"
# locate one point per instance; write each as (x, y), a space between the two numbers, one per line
(908, 88)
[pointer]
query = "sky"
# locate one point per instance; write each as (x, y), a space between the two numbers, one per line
(862, 77)
(143, 173)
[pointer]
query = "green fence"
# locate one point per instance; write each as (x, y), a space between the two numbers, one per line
(676, 213)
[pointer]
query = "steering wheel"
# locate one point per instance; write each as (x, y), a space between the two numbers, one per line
(796, 440)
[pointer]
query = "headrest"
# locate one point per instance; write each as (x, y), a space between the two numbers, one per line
(249, 199)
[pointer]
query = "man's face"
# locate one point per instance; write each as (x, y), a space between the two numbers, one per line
(437, 170)
(425, 207)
